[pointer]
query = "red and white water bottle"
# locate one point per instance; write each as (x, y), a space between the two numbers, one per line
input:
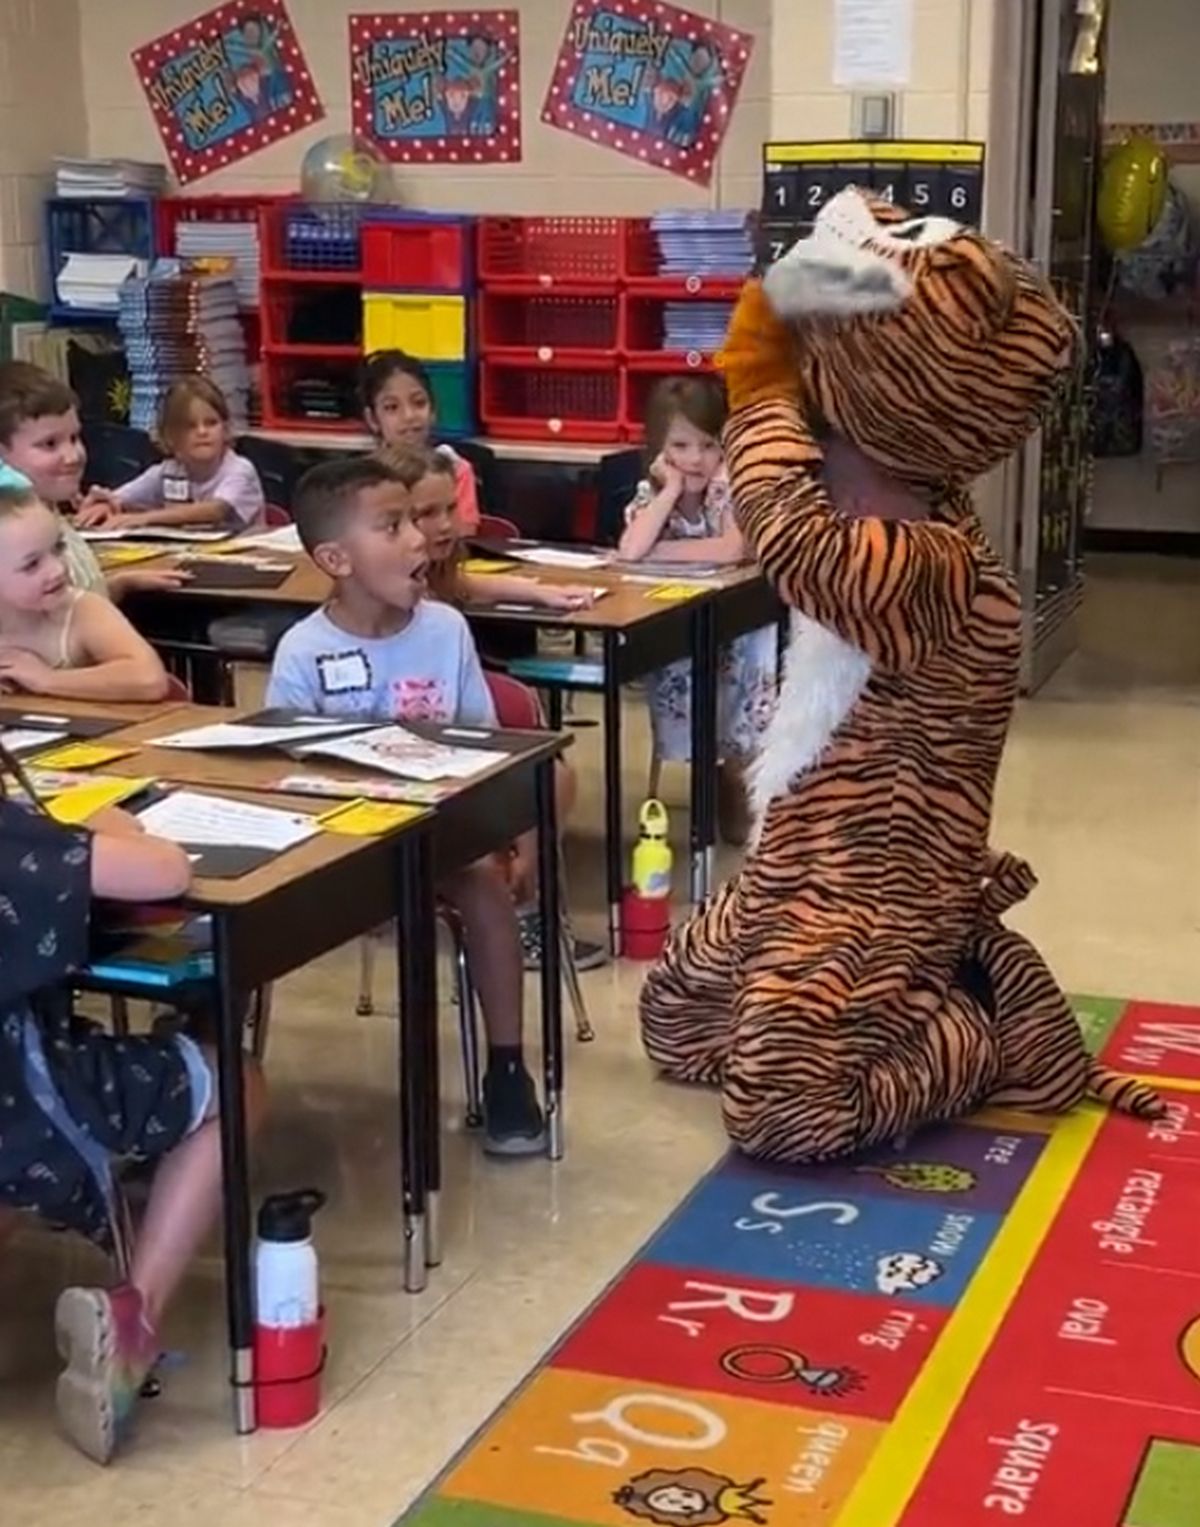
(289, 1329)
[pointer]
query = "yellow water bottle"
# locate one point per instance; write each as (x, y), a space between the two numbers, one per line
(652, 853)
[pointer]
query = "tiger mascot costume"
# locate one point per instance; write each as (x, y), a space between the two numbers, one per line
(854, 981)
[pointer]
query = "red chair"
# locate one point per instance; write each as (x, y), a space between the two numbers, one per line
(276, 518)
(517, 710)
(494, 527)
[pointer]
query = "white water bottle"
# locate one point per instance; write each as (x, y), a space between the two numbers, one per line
(286, 1282)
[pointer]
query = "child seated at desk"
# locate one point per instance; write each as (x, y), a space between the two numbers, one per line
(41, 446)
(380, 649)
(397, 403)
(429, 478)
(682, 513)
(73, 1101)
(203, 482)
(56, 639)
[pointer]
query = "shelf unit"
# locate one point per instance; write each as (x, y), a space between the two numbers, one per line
(572, 324)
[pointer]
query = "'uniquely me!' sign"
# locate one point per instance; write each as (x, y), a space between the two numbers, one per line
(438, 86)
(654, 82)
(227, 84)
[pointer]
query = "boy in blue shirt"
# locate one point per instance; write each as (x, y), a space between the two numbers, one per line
(379, 649)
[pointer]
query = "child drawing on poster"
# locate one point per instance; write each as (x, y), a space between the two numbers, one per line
(254, 44)
(467, 87)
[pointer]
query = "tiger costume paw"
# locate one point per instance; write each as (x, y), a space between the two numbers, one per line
(759, 357)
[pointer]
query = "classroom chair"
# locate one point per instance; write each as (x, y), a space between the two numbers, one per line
(116, 453)
(280, 467)
(489, 478)
(516, 710)
(494, 527)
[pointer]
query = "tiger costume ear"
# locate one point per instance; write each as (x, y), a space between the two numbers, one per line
(866, 257)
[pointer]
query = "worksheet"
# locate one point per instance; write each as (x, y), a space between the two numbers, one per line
(156, 533)
(187, 817)
(236, 734)
(284, 538)
(19, 739)
(397, 751)
(555, 556)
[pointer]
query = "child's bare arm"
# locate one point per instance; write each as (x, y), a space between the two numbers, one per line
(108, 658)
(129, 864)
(726, 546)
(210, 512)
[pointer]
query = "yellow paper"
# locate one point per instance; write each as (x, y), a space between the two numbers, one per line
(671, 592)
(367, 819)
(75, 806)
(82, 755)
(481, 566)
(121, 556)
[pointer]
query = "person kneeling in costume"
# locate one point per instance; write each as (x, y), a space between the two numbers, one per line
(854, 981)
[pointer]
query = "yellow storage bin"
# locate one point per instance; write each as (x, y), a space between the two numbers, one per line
(429, 326)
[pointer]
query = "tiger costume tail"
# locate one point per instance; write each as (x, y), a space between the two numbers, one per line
(1125, 1093)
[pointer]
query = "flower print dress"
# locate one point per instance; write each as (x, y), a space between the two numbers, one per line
(748, 674)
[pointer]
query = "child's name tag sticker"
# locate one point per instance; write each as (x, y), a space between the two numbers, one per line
(73, 807)
(344, 672)
(367, 819)
(671, 592)
(176, 490)
(82, 755)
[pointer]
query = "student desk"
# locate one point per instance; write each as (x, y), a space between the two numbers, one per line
(637, 632)
(320, 895)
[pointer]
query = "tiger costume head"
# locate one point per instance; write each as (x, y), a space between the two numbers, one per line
(931, 349)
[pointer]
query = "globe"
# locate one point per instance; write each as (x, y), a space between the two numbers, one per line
(342, 167)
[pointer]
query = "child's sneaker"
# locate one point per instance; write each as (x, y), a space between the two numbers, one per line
(109, 1348)
(588, 956)
(513, 1123)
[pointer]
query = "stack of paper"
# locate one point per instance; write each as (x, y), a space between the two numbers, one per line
(696, 325)
(94, 281)
(200, 240)
(176, 325)
(704, 243)
(95, 178)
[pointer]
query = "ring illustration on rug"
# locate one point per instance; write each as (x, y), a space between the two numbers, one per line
(691, 1498)
(761, 1363)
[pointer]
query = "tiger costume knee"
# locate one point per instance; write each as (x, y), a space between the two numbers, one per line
(855, 980)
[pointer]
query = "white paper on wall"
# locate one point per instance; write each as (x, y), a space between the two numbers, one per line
(872, 42)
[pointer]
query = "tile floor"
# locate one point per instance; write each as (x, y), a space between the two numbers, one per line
(1101, 789)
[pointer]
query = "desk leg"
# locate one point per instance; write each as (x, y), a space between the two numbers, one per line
(235, 1175)
(413, 954)
(704, 748)
(433, 1081)
(550, 912)
(612, 787)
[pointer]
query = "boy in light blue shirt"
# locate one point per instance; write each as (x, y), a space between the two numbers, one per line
(379, 649)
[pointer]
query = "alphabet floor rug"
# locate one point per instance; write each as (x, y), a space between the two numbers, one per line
(1000, 1320)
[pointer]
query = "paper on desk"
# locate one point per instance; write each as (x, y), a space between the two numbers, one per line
(415, 792)
(82, 755)
(20, 739)
(397, 751)
(80, 802)
(228, 734)
(553, 556)
(285, 538)
(156, 533)
(213, 820)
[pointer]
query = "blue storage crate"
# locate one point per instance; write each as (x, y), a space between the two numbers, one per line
(96, 225)
(323, 237)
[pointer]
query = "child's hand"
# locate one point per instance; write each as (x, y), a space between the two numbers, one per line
(114, 823)
(133, 582)
(565, 596)
(20, 669)
(668, 478)
(96, 512)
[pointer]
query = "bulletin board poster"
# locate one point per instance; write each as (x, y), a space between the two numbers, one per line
(438, 87)
(654, 82)
(227, 84)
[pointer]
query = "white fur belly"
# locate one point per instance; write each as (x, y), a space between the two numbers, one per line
(823, 677)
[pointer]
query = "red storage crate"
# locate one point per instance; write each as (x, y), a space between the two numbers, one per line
(640, 262)
(637, 383)
(538, 325)
(431, 254)
(561, 400)
(172, 210)
(294, 316)
(288, 404)
(643, 334)
(550, 250)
